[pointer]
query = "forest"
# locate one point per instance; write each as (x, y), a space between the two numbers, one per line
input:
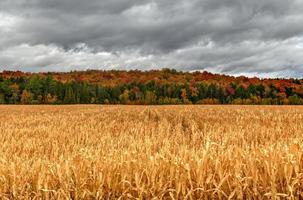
(155, 87)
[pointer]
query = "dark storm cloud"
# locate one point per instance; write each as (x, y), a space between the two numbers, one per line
(230, 36)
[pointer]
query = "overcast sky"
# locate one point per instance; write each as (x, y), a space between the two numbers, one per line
(260, 37)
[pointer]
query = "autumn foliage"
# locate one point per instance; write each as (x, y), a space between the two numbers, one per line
(166, 86)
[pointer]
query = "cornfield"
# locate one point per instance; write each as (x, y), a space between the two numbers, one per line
(151, 152)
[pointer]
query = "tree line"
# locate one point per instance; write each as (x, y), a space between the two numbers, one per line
(47, 90)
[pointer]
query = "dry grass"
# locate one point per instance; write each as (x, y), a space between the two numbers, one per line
(169, 152)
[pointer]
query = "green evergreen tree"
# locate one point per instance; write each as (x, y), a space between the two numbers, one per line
(69, 96)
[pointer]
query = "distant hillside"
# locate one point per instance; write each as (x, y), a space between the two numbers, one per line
(166, 86)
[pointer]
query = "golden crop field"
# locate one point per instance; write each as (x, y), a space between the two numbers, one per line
(151, 152)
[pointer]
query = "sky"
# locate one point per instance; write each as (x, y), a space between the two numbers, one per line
(238, 37)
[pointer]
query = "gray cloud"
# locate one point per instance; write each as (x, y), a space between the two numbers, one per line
(262, 37)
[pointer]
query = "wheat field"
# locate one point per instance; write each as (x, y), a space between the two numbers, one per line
(151, 152)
